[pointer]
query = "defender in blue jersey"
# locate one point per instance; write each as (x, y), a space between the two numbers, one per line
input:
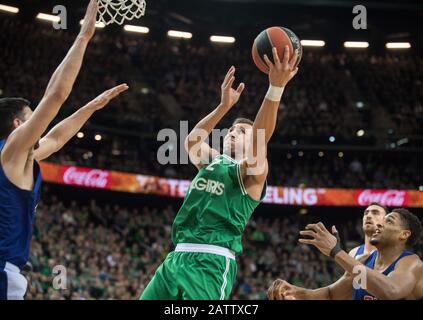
(341, 289)
(21, 149)
(390, 273)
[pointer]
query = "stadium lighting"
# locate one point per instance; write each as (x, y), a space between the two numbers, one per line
(398, 45)
(48, 17)
(97, 137)
(340, 154)
(179, 34)
(8, 9)
(331, 139)
(289, 156)
(321, 154)
(402, 141)
(222, 39)
(360, 133)
(312, 43)
(87, 155)
(303, 211)
(80, 135)
(300, 153)
(138, 29)
(99, 25)
(356, 44)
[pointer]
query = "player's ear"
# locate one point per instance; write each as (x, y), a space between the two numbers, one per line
(17, 122)
(405, 234)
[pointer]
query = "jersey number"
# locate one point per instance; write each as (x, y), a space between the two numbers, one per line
(210, 166)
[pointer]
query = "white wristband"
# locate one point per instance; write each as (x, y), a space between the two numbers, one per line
(274, 93)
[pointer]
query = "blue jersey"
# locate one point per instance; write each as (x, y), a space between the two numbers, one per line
(359, 251)
(361, 294)
(17, 211)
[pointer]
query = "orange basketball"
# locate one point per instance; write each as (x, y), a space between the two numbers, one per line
(277, 37)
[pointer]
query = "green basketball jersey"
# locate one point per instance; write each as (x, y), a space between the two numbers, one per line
(216, 208)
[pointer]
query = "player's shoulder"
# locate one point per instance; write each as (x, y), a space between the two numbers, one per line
(411, 261)
(353, 251)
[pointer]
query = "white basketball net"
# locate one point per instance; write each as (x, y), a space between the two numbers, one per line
(117, 11)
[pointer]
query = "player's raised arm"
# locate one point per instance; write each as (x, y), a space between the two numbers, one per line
(66, 129)
(58, 89)
(200, 153)
(254, 170)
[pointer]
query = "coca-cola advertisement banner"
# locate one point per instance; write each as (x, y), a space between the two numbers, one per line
(135, 183)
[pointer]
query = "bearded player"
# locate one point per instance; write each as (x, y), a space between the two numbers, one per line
(21, 148)
(208, 228)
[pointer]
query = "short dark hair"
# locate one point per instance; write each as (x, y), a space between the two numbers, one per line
(242, 120)
(10, 108)
(411, 222)
(386, 209)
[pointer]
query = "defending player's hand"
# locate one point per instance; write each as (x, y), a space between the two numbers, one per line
(283, 290)
(103, 99)
(90, 19)
(281, 72)
(321, 238)
(230, 96)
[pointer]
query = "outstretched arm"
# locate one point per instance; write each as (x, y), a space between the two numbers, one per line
(200, 153)
(58, 89)
(254, 169)
(66, 129)
(397, 285)
(339, 290)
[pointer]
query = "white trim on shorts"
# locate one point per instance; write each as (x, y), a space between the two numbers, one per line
(225, 280)
(205, 248)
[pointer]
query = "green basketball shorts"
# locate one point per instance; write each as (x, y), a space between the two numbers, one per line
(194, 272)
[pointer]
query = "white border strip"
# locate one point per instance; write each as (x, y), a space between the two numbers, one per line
(229, 158)
(205, 248)
(225, 280)
(241, 183)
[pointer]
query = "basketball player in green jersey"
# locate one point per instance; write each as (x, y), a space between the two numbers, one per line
(208, 228)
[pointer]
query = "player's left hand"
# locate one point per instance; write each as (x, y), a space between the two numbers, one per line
(230, 96)
(88, 26)
(321, 238)
(103, 99)
(281, 72)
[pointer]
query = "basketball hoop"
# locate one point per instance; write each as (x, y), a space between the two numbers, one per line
(117, 11)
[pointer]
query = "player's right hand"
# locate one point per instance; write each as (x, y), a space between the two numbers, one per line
(283, 290)
(230, 96)
(281, 72)
(103, 99)
(90, 19)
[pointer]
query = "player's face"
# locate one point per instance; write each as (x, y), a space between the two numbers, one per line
(236, 140)
(390, 232)
(373, 215)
